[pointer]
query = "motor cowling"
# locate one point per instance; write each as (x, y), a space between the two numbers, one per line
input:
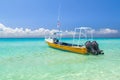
(88, 46)
(95, 46)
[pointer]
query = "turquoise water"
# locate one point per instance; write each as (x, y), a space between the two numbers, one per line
(32, 59)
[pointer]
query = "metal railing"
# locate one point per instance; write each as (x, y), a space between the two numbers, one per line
(82, 33)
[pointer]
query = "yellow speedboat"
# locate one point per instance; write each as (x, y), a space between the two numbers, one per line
(88, 47)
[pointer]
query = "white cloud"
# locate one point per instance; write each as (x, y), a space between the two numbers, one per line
(106, 31)
(20, 32)
(41, 32)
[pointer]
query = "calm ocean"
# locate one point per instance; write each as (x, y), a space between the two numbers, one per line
(32, 59)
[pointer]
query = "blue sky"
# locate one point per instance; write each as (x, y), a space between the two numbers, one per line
(34, 14)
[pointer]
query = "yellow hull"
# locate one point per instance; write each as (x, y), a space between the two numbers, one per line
(81, 50)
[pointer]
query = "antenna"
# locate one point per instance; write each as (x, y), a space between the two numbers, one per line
(58, 22)
(58, 19)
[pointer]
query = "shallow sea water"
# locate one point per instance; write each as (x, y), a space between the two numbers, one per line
(32, 59)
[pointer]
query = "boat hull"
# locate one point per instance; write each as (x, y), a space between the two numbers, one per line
(76, 49)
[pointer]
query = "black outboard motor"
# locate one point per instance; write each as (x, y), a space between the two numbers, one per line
(88, 46)
(93, 48)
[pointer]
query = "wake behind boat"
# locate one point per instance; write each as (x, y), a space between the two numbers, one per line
(88, 47)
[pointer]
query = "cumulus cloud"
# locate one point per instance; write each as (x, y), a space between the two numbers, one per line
(7, 32)
(106, 31)
(20, 32)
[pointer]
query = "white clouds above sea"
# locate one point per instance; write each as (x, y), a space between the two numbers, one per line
(7, 32)
(106, 31)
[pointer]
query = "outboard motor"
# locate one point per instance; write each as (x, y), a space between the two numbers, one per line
(93, 47)
(88, 46)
